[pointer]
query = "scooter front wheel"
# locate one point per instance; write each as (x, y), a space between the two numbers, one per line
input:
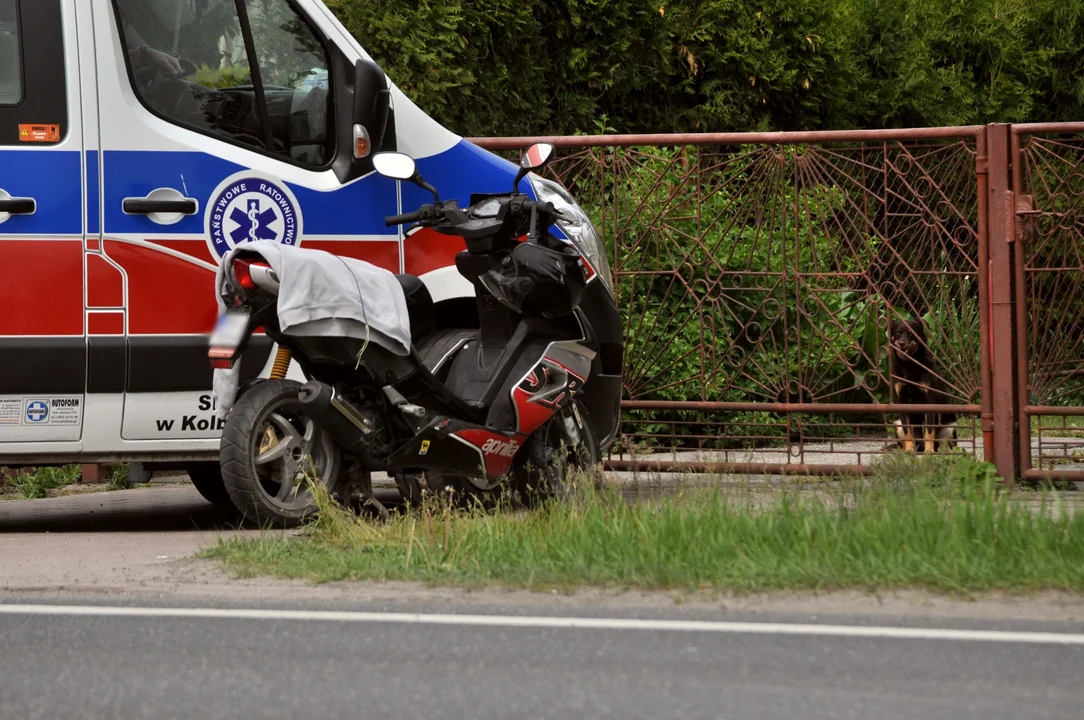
(558, 454)
(271, 452)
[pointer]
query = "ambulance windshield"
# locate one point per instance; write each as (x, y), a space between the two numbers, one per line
(190, 64)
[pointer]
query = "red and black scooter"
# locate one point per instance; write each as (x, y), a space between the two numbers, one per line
(511, 403)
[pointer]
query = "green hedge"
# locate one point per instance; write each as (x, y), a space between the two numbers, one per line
(508, 67)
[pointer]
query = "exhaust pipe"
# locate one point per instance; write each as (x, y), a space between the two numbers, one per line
(338, 417)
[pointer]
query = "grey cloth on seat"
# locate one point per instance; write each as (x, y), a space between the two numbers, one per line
(323, 295)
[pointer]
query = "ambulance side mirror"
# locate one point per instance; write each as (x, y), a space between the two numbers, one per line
(372, 108)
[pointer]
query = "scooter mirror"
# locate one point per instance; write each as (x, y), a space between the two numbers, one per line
(395, 165)
(537, 156)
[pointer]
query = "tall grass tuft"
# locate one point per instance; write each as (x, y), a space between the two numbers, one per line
(940, 523)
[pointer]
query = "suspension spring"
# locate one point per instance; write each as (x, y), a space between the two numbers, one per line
(282, 364)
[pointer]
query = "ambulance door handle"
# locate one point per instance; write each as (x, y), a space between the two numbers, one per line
(142, 206)
(18, 206)
(164, 206)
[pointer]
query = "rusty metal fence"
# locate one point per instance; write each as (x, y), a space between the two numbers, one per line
(758, 275)
(1048, 168)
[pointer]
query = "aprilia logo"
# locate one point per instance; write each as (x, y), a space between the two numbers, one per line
(504, 449)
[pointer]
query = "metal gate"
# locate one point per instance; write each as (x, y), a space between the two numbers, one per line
(758, 275)
(1048, 257)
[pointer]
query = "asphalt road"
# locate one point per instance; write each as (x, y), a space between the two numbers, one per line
(121, 550)
(148, 665)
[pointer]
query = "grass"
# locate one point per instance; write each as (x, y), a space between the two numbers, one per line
(36, 484)
(1054, 423)
(118, 478)
(940, 523)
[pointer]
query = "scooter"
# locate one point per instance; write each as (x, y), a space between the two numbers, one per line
(470, 411)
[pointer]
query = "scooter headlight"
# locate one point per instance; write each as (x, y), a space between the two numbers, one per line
(576, 225)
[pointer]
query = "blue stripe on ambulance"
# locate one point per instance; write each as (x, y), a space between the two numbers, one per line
(93, 194)
(54, 179)
(357, 209)
(457, 173)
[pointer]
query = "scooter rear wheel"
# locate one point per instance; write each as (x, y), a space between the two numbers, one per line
(271, 452)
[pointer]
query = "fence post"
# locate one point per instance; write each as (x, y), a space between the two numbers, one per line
(1000, 208)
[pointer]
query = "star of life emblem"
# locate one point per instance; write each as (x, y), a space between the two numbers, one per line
(249, 208)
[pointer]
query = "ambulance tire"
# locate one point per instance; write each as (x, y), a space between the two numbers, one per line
(207, 477)
(252, 414)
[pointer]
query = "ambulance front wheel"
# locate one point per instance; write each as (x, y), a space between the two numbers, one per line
(207, 477)
(272, 455)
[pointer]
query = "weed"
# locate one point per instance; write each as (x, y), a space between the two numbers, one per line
(36, 484)
(118, 478)
(944, 474)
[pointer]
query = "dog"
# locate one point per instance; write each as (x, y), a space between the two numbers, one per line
(917, 381)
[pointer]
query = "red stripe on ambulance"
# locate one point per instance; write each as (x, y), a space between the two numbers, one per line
(427, 250)
(105, 284)
(166, 295)
(192, 248)
(41, 287)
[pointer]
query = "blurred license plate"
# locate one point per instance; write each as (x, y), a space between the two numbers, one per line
(230, 332)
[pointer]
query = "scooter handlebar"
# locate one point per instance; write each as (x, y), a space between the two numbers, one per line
(542, 207)
(429, 213)
(402, 219)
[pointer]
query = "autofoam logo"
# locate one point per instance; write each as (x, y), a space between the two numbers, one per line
(498, 447)
(247, 208)
(37, 411)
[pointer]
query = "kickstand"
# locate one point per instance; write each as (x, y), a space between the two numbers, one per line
(375, 504)
(360, 486)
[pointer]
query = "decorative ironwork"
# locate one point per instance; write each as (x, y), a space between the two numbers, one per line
(1050, 219)
(758, 276)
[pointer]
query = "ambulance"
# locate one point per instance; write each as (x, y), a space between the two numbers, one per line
(140, 141)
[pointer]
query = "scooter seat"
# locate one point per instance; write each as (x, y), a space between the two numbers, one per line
(419, 304)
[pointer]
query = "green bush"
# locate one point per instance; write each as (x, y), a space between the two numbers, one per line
(539, 66)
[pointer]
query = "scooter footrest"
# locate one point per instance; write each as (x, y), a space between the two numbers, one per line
(401, 402)
(413, 410)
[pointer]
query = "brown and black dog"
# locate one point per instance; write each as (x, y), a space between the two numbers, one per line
(917, 381)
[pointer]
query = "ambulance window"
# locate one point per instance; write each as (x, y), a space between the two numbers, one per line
(11, 66)
(33, 82)
(294, 70)
(190, 64)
